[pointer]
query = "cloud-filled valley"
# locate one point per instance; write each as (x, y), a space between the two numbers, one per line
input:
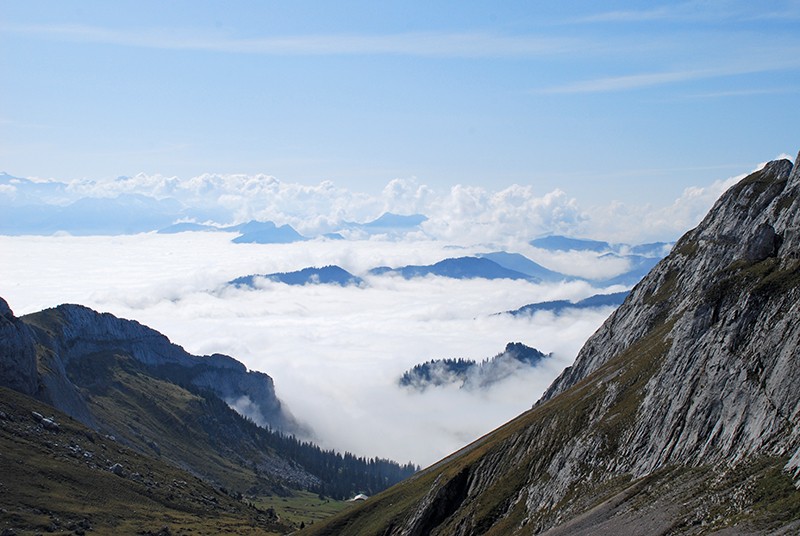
(335, 353)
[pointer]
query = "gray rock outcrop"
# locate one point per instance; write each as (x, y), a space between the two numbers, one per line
(730, 295)
(17, 354)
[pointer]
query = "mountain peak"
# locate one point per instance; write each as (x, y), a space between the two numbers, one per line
(746, 225)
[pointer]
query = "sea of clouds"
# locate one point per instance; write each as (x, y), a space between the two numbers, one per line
(335, 353)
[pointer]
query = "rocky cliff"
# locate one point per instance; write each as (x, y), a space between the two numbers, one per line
(18, 354)
(681, 415)
(69, 333)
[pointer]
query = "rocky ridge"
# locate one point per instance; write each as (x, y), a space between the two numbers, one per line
(71, 332)
(729, 295)
(680, 415)
(18, 354)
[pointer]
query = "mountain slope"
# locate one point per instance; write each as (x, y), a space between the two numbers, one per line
(72, 332)
(681, 415)
(61, 476)
(265, 232)
(563, 243)
(560, 306)
(522, 264)
(128, 381)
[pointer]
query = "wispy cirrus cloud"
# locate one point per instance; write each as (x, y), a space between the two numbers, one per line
(743, 93)
(432, 44)
(653, 79)
(659, 13)
(698, 11)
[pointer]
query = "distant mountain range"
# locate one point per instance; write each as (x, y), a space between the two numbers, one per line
(124, 214)
(560, 306)
(257, 232)
(503, 265)
(522, 264)
(456, 268)
(469, 374)
(252, 232)
(564, 243)
(490, 266)
(389, 223)
(327, 275)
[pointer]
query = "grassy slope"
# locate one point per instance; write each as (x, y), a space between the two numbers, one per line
(60, 480)
(302, 507)
(172, 424)
(162, 419)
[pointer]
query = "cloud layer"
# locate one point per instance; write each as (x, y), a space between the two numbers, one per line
(464, 215)
(335, 353)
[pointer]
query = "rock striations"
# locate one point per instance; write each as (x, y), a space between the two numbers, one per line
(681, 415)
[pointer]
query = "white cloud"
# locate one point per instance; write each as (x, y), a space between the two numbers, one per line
(426, 44)
(335, 353)
(512, 216)
(694, 11)
(628, 223)
(244, 406)
(749, 63)
(463, 215)
(8, 189)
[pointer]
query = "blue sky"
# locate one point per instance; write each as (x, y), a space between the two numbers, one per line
(630, 101)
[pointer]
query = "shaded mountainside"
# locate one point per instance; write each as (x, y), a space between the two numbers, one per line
(66, 335)
(564, 243)
(57, 475)
(681, 415)
(469, 374)
(265, 232)
(504, 265)
(522, 264)
(130, 382)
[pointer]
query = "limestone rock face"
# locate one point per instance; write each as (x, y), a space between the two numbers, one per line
(716, 329)
(17, 354)
(730, 295)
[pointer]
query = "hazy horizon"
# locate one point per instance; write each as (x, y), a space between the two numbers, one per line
(500, 123)
(612, 103)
